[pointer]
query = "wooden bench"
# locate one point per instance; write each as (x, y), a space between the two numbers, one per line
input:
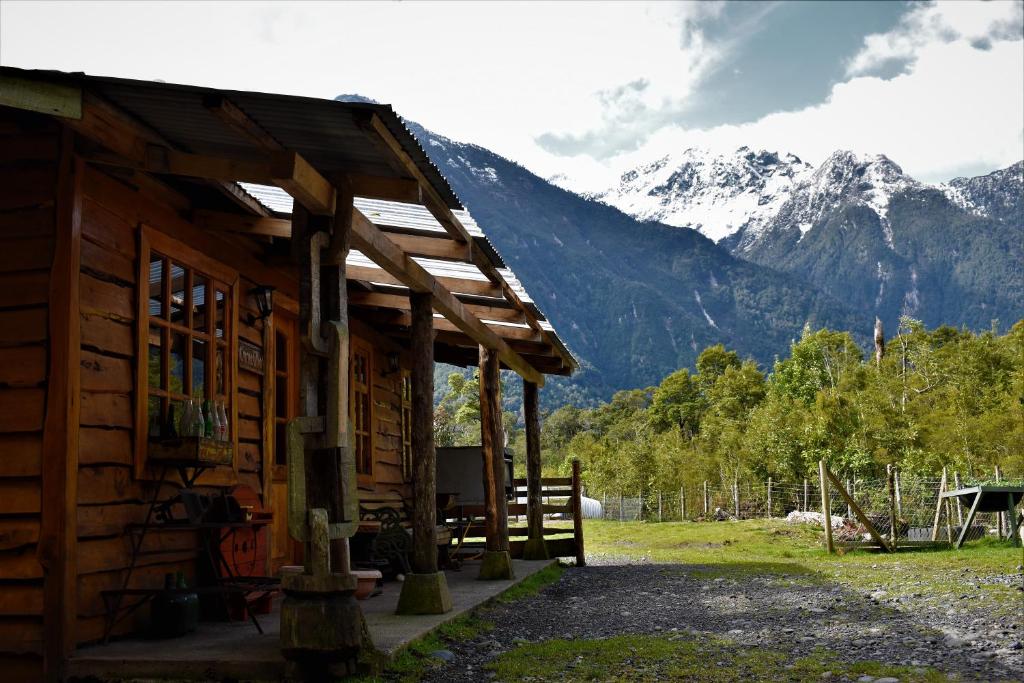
(385, 525)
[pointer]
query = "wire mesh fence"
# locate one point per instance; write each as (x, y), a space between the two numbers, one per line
(914, 502)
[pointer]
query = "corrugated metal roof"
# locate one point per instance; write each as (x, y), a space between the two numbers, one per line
(331, 135)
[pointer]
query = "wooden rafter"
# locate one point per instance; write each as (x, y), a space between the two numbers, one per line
(401, 302)
(458, 285)
(371, 241)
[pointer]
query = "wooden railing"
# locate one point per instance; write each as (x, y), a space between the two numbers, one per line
(561, 496)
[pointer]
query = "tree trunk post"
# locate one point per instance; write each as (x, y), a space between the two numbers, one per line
(959, 505)
(736, 494)
(497, 561)
(849, 510)
(659, 506)
(826, 507)
(622, 509)
(535, 547)
(682, 504)
(706, 498)
(938, 506)
(999, 515)
(577, 514)
(425, 590)
(891, 482)
(899, 494)
(769, 515)
(806, 491)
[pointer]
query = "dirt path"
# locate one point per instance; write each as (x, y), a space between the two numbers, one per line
(790, 614)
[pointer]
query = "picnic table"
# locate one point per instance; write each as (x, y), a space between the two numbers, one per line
(989, 498)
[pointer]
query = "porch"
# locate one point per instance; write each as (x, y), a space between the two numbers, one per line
(234, 650)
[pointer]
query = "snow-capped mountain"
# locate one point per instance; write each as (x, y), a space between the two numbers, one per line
(715, 194)
(845, 178)
(998, 195)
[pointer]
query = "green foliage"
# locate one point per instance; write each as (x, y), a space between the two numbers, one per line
(939, 398)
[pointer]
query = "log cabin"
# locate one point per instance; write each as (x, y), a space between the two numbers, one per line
(160, 243)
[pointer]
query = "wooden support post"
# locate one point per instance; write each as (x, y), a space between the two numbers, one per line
(806, 491)
(577, 514)
(58, 532)
(849, 510)
(959, 505)
(535, 548)
(826, 507)
(890, 473)
(769, 513)
(705, 497)
(497, 563)
(949, 520)
(1012, 521)
(682, 504)
(938, 506)
(999, 515)
(622, 510)
(425, 591)
(861, 517)
(967, 522)
(659, 506)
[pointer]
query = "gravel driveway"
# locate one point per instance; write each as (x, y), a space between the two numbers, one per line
(782, 612)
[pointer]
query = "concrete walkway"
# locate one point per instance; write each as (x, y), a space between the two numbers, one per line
(236, 651)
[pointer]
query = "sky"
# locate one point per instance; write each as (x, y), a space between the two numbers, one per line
(587, 90)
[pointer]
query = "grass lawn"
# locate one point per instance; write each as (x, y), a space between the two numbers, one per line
(773, 546)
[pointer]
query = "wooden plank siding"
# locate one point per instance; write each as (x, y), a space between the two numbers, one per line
(29, 163)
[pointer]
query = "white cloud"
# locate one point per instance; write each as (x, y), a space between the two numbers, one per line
(957, 105)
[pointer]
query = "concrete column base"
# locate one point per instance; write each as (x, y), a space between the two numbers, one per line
(535, 549)
(497, 564)
(424, 594)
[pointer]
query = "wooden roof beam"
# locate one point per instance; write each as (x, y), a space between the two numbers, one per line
(367, 238)
(457, 285)
(401, 302)
(431, 199)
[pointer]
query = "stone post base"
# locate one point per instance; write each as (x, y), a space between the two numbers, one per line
(535, 549)
(321, 631)
(424, 594)
(497, 564)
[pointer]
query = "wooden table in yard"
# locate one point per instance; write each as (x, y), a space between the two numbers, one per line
(989, 498)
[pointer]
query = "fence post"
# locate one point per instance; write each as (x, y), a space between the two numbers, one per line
(938, 506)
(682, 504)
(705, 497)
(622, 513)
(999, 515)
(805, 495)
(891, 481)
(659, 506)
(826, 507)
(577, 516)
(849, 510)
(769, 515)
(604, 504)
(959, 509)
(736, 493)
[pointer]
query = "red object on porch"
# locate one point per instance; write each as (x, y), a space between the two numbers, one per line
(245, 551)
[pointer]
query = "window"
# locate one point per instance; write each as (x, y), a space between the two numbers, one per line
(361, 402)
(285, 362)
(406, 425)
(186, 335)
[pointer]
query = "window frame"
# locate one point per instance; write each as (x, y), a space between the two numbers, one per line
(179, 253)
(286, 326)
(361, 347)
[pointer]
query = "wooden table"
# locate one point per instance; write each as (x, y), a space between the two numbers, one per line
(989, 498)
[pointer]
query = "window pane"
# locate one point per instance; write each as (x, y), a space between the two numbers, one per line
(154, 417)
(281, 396)
(199, 317)
(220, 370)
(281, 351)
(198, 369)
(177, 363)
(220, 305)
(155, 371)
(156, 285)
(178, 299)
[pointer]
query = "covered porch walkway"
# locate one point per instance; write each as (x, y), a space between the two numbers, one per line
(234, 650)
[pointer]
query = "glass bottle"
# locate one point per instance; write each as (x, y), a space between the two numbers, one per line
(171, 432)
(216, 421)
(186, 418)
(198, 420)
(208, 423)
(223, 422)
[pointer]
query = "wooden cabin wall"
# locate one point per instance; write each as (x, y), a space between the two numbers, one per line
(109, 497)
(29, 161)
(387, 416)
